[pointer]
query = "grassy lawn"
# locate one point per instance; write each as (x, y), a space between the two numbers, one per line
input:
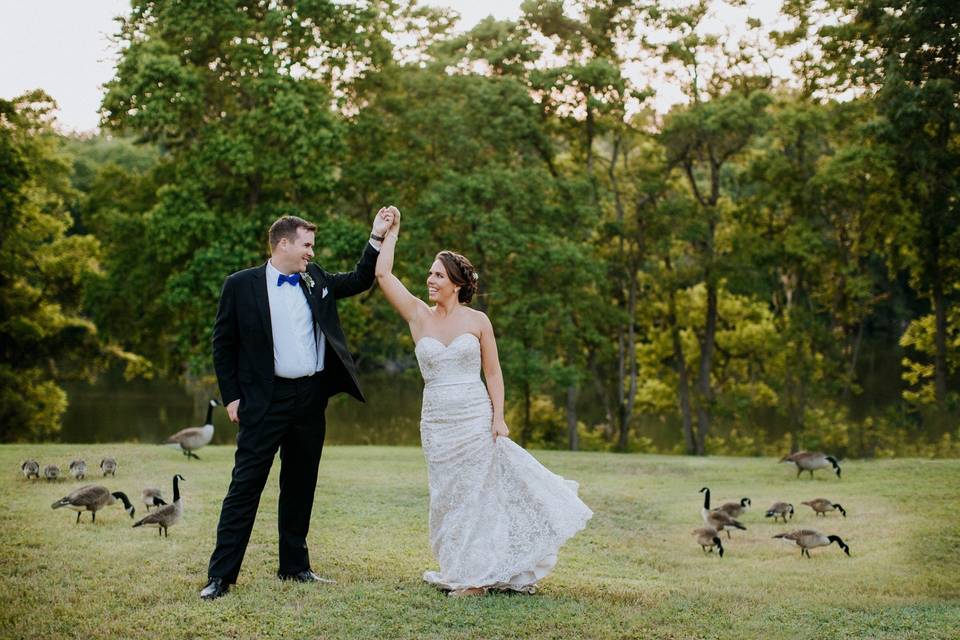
(634, 572)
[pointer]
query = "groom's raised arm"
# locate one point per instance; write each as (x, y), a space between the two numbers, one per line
(350, 283)
(225, 348)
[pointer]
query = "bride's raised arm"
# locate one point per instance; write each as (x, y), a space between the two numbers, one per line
(396, 294)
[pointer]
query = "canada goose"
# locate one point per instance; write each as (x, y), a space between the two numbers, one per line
(51, 472)
(735, 509)
(707, 538)
(152, 497)
(192, 438)
(808, 539)
(109, 466)
(30, 469)
(780, 510)
(167, 515)
(807, 461)
(92, 498)
(822, 506)
(719, 520)
(78, 469)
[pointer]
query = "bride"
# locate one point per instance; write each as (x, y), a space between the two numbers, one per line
(497, 516)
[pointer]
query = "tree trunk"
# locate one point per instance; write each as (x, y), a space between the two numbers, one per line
(706, 360)
(572, 435)
(940, 343)
(525, 430)
(684, 383)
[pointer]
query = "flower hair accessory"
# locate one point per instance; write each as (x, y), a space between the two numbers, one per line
(476, 276)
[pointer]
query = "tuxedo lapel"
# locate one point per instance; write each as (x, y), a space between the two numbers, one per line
(262, 300)
(311, 299)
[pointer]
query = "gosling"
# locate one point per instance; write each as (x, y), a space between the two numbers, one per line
(78, 469)
(807, 461)
(808, 539)
(822, 506)
(707, 538)
(92, 498)
(109, 467)
(780, 510)
(30, 469)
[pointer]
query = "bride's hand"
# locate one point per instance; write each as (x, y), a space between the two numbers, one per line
(395, 218)
(500, 429)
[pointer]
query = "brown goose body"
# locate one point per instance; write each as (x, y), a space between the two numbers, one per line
(735, 509)
(811, 461)
(708, 538)
(51, 472)
(719, 520)
(152, 497)
(167, 515)
(780, 510)
(822, 506)
(92, 498)
(192, 438)
(808, 539)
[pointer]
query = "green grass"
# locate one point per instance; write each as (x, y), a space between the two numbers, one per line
(634, 572)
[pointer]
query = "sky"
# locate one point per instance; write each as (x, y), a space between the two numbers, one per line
(64, 47)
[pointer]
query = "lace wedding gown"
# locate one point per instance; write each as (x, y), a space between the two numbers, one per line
(497, 516)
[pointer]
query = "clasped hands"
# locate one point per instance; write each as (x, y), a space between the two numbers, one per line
(387, 220)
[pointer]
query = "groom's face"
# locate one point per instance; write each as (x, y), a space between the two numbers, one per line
(295, 253)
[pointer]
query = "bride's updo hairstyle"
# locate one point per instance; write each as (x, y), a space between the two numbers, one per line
(461, 273)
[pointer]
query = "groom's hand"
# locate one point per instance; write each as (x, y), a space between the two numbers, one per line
(233, 411)
(382, 222)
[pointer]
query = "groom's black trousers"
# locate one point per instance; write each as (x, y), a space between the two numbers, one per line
(295, 424)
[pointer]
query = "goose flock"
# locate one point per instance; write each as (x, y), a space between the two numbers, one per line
(94, 497)
(727, 515)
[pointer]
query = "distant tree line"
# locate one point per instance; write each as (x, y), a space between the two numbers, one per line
(763, 268)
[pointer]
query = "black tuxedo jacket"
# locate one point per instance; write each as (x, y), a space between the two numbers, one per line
(243, 334)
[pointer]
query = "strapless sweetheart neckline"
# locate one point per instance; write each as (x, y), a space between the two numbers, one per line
(449, 344)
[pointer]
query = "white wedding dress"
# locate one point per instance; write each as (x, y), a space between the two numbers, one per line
(497, 516)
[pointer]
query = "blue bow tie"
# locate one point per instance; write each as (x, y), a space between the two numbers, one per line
(293, 278)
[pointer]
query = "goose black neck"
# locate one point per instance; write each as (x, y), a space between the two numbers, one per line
(209, 419)
(176, 488)
(120, 495)
(706, 499)
(744, 502)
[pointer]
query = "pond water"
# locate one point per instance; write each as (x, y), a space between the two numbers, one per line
(114, 410)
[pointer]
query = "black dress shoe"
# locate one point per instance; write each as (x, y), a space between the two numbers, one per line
(305, 576)
(216, 588)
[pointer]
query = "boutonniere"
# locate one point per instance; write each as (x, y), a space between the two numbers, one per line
(307, 280)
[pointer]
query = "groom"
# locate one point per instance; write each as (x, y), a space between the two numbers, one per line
(279, 354)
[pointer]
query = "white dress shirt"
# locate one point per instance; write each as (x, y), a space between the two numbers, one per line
(298, 343)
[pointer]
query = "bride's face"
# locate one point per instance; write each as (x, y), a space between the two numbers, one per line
(439, 286)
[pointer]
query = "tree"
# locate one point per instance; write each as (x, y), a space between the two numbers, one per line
(44, 269)
(239, 96)
(907, 56)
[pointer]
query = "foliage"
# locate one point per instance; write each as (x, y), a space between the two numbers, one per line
(44, 269)
(737, 269)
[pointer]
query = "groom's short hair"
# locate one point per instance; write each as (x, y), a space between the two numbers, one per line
(286, 227)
